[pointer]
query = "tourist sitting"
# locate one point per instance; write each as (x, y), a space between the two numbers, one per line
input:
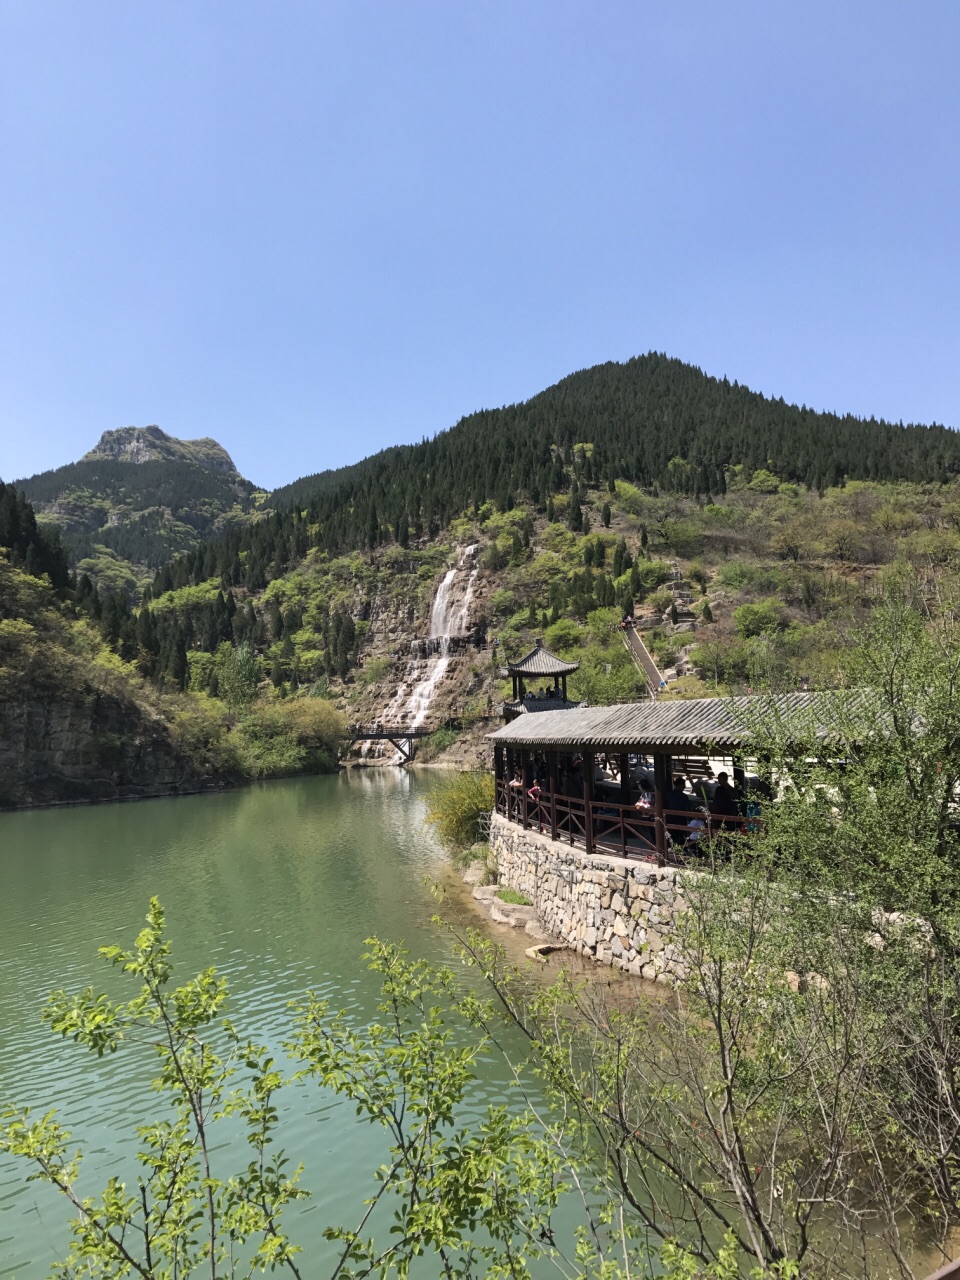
(645, 800)
(697, 831)
(535, 809)
(645, 804)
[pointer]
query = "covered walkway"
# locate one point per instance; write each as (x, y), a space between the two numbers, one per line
(646, 780)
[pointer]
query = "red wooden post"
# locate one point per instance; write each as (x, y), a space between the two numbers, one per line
(525, 779)
(661, 774)
(552, 765)
(624, 799)
(588, 766)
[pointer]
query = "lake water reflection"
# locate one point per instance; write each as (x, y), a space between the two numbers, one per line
(277, 885)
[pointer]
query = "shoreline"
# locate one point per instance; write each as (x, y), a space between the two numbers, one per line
(214, 788)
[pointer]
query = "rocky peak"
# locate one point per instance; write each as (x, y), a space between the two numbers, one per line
(151, 444)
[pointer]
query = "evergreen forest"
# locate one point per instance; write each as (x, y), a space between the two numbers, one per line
(747, 537)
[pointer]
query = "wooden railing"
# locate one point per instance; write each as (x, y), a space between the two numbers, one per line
(619, 828)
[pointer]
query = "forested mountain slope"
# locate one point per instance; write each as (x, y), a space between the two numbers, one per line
(78, 722)
(139, 498)
(747, 537)
(652, 421)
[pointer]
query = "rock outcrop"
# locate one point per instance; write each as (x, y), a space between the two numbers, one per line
(151, 444)
(96, 747)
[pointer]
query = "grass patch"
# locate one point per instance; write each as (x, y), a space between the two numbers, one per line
(514, 898)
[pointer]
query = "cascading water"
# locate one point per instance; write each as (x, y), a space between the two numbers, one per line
(430, 659)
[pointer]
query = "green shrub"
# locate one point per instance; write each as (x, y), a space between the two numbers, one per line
(374, 670)
(456, 805)
(761, 618)
(750, 577)
(298, 735)
(564, 634)
(603, 624)
(502, 603)
(436, 743)
(651, 573)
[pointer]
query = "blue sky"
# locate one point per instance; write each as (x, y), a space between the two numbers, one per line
(310, 230)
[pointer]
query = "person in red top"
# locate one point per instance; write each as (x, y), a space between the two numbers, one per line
(536, 812)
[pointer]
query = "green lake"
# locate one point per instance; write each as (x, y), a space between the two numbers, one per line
(277, 885)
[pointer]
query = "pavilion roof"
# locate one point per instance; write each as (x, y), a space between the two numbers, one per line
(541, 662)
(697, 722)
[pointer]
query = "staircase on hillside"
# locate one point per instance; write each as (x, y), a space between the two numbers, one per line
(641, 656)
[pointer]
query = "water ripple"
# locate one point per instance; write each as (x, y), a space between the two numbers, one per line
(277, 885)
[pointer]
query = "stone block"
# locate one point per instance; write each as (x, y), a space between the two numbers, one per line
(508, 913)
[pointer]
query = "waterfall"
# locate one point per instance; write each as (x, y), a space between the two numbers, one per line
(430, 658)
(446, 621)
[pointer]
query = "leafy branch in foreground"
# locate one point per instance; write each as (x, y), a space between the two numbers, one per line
(182, 1217)
(478, 1193)
(475, 1193)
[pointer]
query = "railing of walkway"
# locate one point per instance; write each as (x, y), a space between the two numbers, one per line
(616, 828)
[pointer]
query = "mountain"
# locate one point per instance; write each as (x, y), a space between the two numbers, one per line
(78, 723)
(150, 444)
(139, 498)
(652, 420)
(747, 534)
(746, 537)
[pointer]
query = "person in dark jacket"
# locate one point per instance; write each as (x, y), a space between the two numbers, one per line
(678, 803)
(724, 804)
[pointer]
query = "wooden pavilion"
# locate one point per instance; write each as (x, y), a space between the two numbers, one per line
(538, 665)
(548, 777)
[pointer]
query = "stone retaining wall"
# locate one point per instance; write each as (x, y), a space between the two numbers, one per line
(619, 911)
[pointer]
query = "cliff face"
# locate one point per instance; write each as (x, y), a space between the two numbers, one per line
(96, 747)
(150, 444)
(75, 724)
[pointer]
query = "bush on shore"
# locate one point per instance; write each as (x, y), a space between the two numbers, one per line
(295, 736)
(455, 807)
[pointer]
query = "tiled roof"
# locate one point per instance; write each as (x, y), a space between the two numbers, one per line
(718, 722)
(541, 662)
(530, 706)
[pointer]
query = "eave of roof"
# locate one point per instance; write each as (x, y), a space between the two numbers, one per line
(541, 662)
(697, 723)
(532, 706)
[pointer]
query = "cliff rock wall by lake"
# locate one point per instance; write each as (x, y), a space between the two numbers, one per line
(93, 747)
